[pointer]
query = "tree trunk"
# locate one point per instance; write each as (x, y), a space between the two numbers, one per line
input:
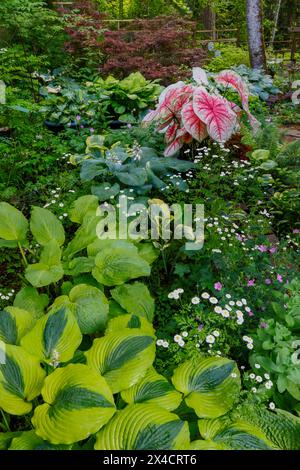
(255, 34)
(209, 21)
(277, 11)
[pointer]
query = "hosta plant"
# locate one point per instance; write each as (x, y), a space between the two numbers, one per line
(200, 109)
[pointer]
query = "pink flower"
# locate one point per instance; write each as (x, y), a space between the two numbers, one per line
(239, 237)
(92, 130)
(296, 230)
(250, 314)
(251, 283)
(263, 325)
(268, 282)
(218, 286)
(273, 249)
(262, 248)
(279, 278)
(78, 117)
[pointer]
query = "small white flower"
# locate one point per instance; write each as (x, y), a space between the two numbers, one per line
(218, 309)
(177, 338)
(239, 314)
(250, 346)
(216, 333)
(272, 406)
(252, 376)
(258, 379)
(239, 303)
(228, 296)
(213, 300)
(257, 366)
(231, 303)
(205, 295)
(225, 313)
(244, 301)
(165, 344)
(184, 334)
(248, 309)
(210, 339)
(253, 389)
(159, 342)
(240, 321)
(269, 384)
(266, 376)
(233, 375)
(180, 291)
(181, 343)
(195, 300)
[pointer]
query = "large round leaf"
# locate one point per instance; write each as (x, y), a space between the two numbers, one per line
(14, 324)
(122, 358)
(143, 427)
(89, 305)
(78, 402)
(135, 299)
(21, 380)
(29, 299)
(119, 263)
(54, 338)
(155, 389)
(46, 227)
(210, 386)
(13, 224)
(129, 321)
(83, 206)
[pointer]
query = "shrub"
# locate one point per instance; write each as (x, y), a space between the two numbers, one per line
(230, 56)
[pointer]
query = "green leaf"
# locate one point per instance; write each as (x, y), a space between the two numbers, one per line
(143, 427)
(148, 252)
(45, 227)
(78, 402)
(85, 205)
(21, 380)
(129, 321)
(78, 266)
(14, 324)
(29, 299)
(210, 386)
(122, 358)
(28, 440)
(154, 389)
(13, 224)
(119, 263)
(136, 177)
(105, 191)
(49, 269)
(54, 338)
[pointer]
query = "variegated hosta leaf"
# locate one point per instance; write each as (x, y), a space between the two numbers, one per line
(122, 357)
(210, 386)
(21, 380)
(119, 263)
(143, 427)
(135, 299)
(6, 439)
(54, 338)
(78, 402)
(129, 321)
(14, 324)
(88, 304)
(155, 389)
(224, 434)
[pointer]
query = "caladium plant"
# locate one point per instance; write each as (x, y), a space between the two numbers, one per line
(187, 112)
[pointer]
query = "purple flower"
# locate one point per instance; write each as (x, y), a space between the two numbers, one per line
(92, 130)
(263, 325)
(129, 126)
(200, 327)
(250, 314)
(218, 286)
(296, 230)
(273, 249)
(279, 278)
(78, 117)
(251, 283)
(81, 127)
(268, 282)
(262, 248)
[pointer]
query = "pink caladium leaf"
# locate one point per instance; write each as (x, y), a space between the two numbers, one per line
(149, 118)
(192, 123)
(235, 81)
(216, 113)
(171, 133)
(174, 147)
(200, 76)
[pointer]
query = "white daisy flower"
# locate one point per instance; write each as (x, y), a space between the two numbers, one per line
(210, 339)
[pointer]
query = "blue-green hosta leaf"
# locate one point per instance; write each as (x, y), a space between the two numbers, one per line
(105, 191)
(89, 305)
(131, 322)
(85, 205)
(143, 427)
(122, 358)
(29, 299)
(54, 338)
(78, 402)
(49, 269)
(155, 389)
(225, 434)
(21, 380)
(119, 263)
(14, 324)
(135, 299)
(210, 386)
(46, 227)
(13, 224)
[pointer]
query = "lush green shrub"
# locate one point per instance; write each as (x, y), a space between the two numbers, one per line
(230, 56)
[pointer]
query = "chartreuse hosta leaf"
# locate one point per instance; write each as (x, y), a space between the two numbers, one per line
(119, 262)
(143, 427)
(29, 299)
(14, 324)
(135, 299)
(78, 402)
(49, 269)
(46, 227)
(154, 389)
(225, 434)
(210, 386)
(89, 305)
(54, 338)
(122, 357)
(82, 206)
(13, 224)
(129, 321)
(21, 380)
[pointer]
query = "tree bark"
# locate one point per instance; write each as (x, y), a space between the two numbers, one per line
(256, 35)
(277, 11)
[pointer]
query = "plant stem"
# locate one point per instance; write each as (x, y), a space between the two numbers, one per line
(23, 254)
(5, 420)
